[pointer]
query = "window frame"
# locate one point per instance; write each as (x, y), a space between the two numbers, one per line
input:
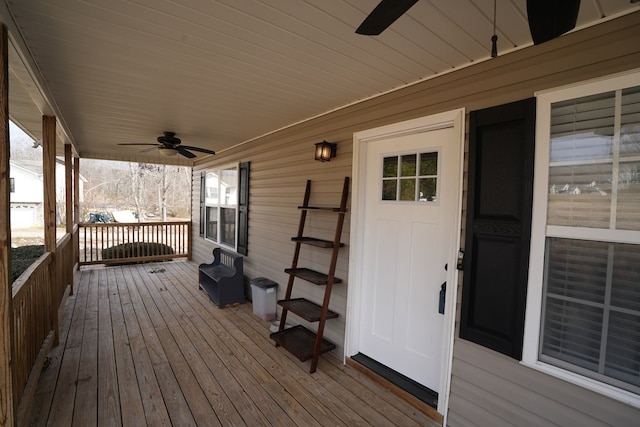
(540, 231)
(220, 205)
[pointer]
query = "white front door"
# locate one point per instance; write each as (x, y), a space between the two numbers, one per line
(409, 196)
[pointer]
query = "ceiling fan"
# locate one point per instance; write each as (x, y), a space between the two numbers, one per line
(169, 145)
(548, 19)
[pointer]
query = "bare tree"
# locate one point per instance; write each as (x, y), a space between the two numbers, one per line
(136, 187)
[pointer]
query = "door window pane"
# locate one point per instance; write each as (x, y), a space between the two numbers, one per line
(427, 189)
(408, 165)
(389, 189)
(428, 164)
(408, 190)
(410, 177)
(390, 167)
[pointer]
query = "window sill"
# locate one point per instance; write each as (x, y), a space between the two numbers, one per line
(612, 392)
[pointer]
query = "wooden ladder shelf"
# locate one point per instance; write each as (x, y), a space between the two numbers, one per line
(300, 341)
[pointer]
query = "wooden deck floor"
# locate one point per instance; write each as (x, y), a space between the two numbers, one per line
(142, 345)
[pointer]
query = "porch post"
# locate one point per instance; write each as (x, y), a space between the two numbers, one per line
(76, 211)
(49, 184)
(7, 401)
(68, 187)
(68, 198)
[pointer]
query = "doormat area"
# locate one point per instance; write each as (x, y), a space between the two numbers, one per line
(419, 391)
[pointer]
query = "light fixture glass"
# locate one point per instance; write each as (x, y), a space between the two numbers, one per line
(168, 151)
(325, 151)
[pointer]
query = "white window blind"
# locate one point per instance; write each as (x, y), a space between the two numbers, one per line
(591, 301)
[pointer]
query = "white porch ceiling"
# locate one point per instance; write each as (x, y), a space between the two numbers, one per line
(219, 73)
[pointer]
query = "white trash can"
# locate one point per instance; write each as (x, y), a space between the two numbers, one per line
(263, 297)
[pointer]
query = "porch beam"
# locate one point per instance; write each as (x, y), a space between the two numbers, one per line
(7, 401)
(49, 187)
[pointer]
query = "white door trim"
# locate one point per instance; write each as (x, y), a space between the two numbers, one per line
(455, 119)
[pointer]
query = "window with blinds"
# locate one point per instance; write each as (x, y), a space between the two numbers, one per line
(591, 308)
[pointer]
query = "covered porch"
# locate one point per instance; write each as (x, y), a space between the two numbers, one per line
(142, 345)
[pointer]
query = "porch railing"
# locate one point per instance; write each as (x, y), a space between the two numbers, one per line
(115, 243)
(37, 296)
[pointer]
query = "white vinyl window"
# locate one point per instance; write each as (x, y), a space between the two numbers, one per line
(221, 205)
(583, 307)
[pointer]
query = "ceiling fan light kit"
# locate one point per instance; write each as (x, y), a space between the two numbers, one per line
(167, 151)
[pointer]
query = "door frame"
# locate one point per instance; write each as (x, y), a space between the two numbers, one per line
(455, 119)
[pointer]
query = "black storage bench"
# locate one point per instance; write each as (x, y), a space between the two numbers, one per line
(223, 279)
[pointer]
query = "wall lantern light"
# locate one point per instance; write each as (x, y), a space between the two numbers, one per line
(325, 151)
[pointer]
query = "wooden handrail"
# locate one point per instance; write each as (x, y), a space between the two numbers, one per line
(36, 300)
(172, 239)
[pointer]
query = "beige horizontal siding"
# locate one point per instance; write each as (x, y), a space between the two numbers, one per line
(521, 396)
(487, 389)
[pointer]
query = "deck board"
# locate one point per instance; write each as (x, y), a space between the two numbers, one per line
(130, 398)
(142, 345)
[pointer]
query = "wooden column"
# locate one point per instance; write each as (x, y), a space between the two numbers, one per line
(68, 198)
(68, 187)
(49, 186)
(76, 190)
(7, 401)
(76, 211)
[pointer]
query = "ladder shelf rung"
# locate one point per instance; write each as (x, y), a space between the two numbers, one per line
(306, 309)
(299, 341)
(322, 243)
(311, 275)
(319, 208)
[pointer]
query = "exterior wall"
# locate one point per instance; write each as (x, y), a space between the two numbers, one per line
(26, 200)
(28, 186)
(487, 388)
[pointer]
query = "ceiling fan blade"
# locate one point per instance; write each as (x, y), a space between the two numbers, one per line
(549, 19)
(137, 143)
(201, 150)
(187, 154)
(384, 15)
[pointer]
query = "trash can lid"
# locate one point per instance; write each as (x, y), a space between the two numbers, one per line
(263, 282)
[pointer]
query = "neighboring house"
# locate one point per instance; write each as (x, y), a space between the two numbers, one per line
(27, 192)
(542, 327)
